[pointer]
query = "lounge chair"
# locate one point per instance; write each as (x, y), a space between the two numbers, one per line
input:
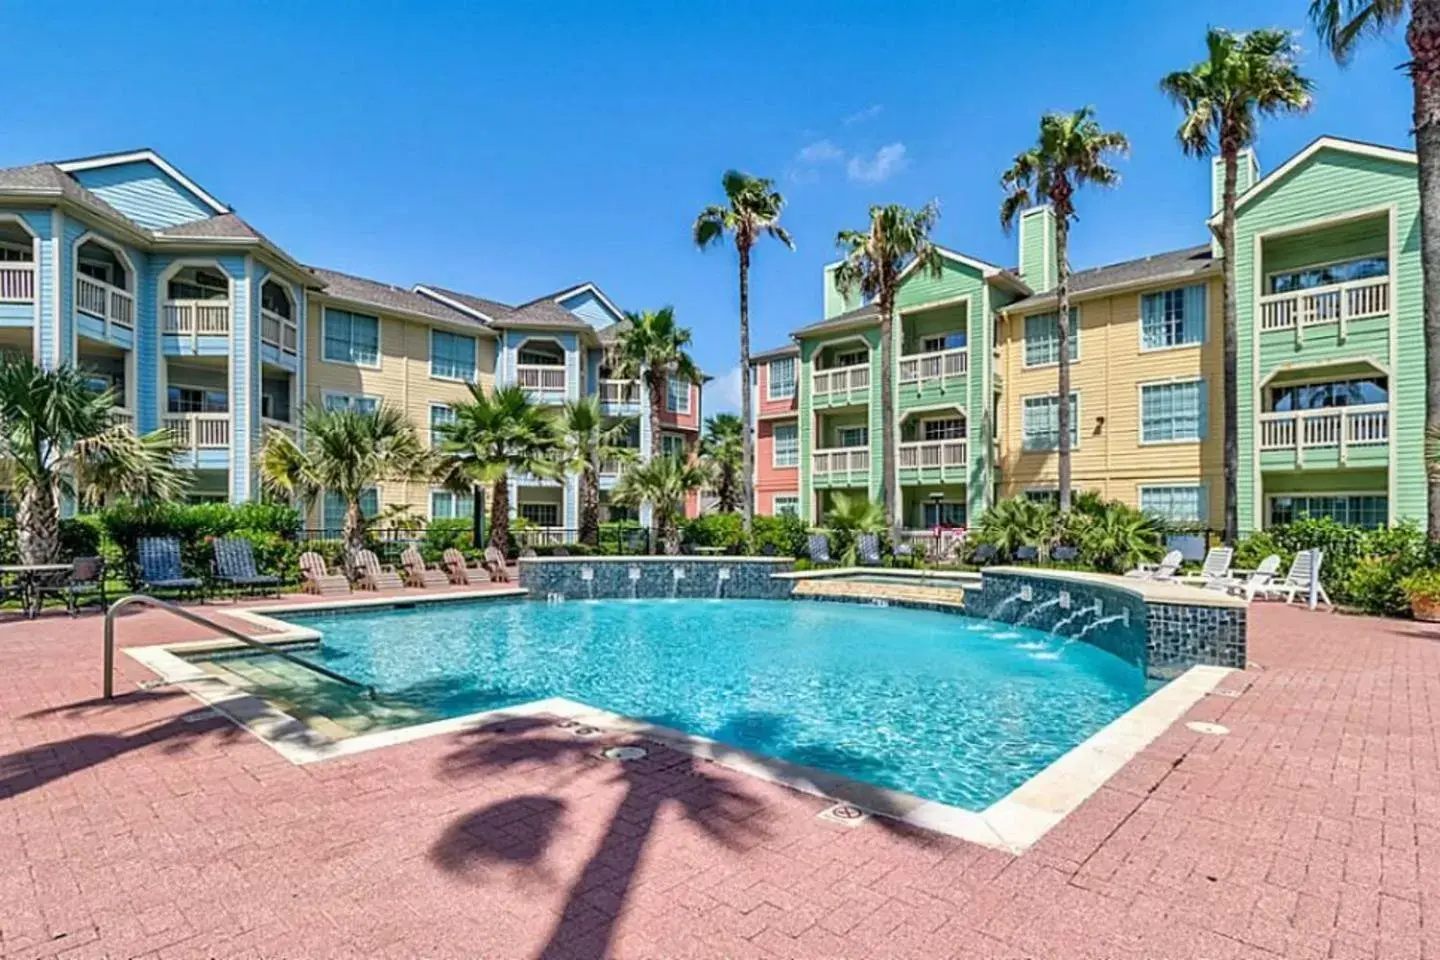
(235, 565)
(315, 576)
(819, 548)
(1252, 583)
(867, 550)
(374, 576)
(1217, 564)
(985, 553)
(86, 579)
(461, 570)
(495, 565)
(418, 573)
(1064, 554)
(1164, 570)
(1297, 579)
(1027, 554)
(160, 567)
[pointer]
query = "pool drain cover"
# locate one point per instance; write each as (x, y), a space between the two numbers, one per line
(1209, 729)
(623, 753)
(845, 814)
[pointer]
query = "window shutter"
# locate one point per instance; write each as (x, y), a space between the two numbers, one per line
(1202, 390)
(1195, 313)
(1152, 308)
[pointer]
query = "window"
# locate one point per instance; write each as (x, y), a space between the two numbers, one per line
(780, 377)
(946, 513)
(196, 400)
(198, 285)
(539, 356)
(1043, 495)
(852, 358)
(350, 401)
(7, 505)
(1040, 425)
(452, 356)
(672, 445)
(541, 514)
(787, 445)
(439, 416)
(854, 436)
(1306, 278)
(334, 510)
(1172, 412)
(448, 505)
(951, 428)
(1172, 318)
(273, 298)
(96, 270)
(17, 252)
(943, 341)
(677, 395)
(1355, 510)
(1174, 504)
(352, 338)
(1042, 338)
(785, 505)
(1338, 393)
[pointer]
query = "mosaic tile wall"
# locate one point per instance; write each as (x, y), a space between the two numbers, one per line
(600, 578)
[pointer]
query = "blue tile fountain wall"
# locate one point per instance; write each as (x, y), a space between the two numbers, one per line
(607, 578)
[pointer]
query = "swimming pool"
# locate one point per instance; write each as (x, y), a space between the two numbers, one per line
(945, 707)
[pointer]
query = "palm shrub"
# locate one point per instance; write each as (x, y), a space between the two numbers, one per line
(1116, 537)
(664, 483)
(1018, 522)
(654, 349)
(722, 456)
(849, 517)
(586, 442)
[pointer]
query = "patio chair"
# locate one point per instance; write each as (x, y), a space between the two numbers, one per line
(1297, 579)
(418, 573)
(374, 575)
(495, 565)
(1217, 564)
(1252, 583)
(560, 552)
(867, 550)
(85, 581)
(1164, 570)
(528, 553)
(235, 565)
(461, 570)
(160, 567)
(819, 549)
(1027, 554)
(985, 553)
(315, 576)
(1064, 554)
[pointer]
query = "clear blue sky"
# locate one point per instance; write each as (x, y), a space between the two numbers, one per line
(512, 149)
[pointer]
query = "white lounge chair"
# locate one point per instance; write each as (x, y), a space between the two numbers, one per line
(1297, 579)
(1165, 570)
(1252, 583)
(1215, 569)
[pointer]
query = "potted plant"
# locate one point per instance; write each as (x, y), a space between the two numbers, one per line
(1423, 591)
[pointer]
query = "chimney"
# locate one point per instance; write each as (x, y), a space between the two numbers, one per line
(1038, 267)
(1246, 176)
(836, 302)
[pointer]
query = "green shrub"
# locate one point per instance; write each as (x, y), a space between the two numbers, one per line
(723, 530)
(278, 518)
(1015, 523)
(1423, 586)
(1373, 585)
(786, 536)
(81, 537)
(1362, 568)
(1115, 537)
(1256, 546)
(442, 535)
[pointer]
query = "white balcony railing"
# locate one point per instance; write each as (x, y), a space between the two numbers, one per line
(933, 454)
(104, 301)
(839, 461)
(619, 391)
(196, 318)
(17, 282)
(280, 333)
(934, 366)
(540, 376)
(122, 417)
(1338, 303)
(850, 382)
(284, 426)
(1342, 427)
(199, 431)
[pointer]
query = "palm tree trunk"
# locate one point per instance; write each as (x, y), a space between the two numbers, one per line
(655, 384)
(888, 494)
(1062, 324)
(353, 532)
(1423, 39)
(747, 481)
(589, 507)
(500, 515)
(37, 523)
(1230, 155)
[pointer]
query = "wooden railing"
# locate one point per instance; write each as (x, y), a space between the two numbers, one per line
(933, 454)
(17, 282)
(196, 318)
(1342, 427)
(840, 460)
(934, 366)
(122, 417)
(619, 391)
(104, 301)
(540, 376)
(847, 381)
(1338, 303)
(280, 333)
(199, 431)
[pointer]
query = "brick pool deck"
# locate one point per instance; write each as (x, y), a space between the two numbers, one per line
(151, 827)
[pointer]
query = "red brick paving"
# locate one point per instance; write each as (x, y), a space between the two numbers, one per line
(149, 828)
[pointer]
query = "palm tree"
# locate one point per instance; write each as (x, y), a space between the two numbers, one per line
(586, 443)
(753, 211)
(1071, 151)
(346, 453)
(724, 459)
(653, 348)
(849, 517)
(1243, 75)
(664, 483)
(897, 240)
(1341, 25)
(492, 436)
(58, 438)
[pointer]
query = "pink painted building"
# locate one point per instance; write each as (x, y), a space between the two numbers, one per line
(681, 419)
(777, 431)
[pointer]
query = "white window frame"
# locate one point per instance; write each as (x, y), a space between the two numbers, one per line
(1270, 501)
(840, 437)
(430, 424)
(863, 353)
(350, 399)
(1272, 274)
(202, 390)
(379, 506)
(1074, 444)
(670, 395)
(1204, 418)
(455, 500)
(1140, 320)
(674, 437)
(1202, 493)
(1025, 363)
(791, 498)
(379, 338)
(475, 364)
(926, 421)
(775, 446)
(770, 393)
(557, 507)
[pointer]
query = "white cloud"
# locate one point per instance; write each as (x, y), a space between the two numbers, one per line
(819, 152)
(888, 161)
(722, 395)
(860, 116)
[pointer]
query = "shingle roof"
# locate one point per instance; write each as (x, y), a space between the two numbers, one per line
(226, 226)
(47, 178)
(542, 313)
(1172, 265)
(867, 312)
(493, 309)
(388, 297)
(611, 334)
(788, 350)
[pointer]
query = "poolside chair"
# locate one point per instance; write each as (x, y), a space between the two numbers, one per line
(560, 551)
(1064, 554)
(985, 553)
(160, 567)
(86, 580)
(235, 565)
(373, 575)
(1217, 564)
(461, 570)
(867, 550)
(495, 565)
(819, 548)
(1297, 579)
(1027, 554)
(1164, 570)
(418, 573)
(1252, 583)
(315, 576)
(528, 553)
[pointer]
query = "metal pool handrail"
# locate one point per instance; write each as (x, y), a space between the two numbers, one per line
(140, 599)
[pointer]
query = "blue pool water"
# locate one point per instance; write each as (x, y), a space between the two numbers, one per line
(945, 707)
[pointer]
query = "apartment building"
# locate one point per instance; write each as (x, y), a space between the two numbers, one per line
(123, 265)
(1331, 385)
(777, 431)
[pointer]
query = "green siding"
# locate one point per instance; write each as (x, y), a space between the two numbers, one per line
(1039, 266)
(1344, 241)
(1326, 481)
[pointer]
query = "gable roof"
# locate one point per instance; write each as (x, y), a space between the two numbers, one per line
(775, 353)
(48, 180)
(389, 298)
(1183, 264)
(226, 226)
(144, 155)
(542, 313)
(860, 316)
(481, 308)
(1354, 147)
(590, 287)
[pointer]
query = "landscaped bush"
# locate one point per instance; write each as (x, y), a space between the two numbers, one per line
(270, 528)
(1111, 536)
(442, 535)
(723, 530)
(785, 535)
(1011, 524)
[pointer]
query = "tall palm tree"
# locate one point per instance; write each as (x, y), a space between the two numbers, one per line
(723, 457)
(1071, 151)
(898, 240)
(664, 483)
(654, 349)
(346, 452)
(1244, 75)
(492, 436)
(586, 443)
(753, 211)
(1341, 25)
(58, 438)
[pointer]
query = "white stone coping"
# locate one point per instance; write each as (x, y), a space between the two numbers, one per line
(652, 558)
(1151, 591)
(1012, 824)
(959, 577)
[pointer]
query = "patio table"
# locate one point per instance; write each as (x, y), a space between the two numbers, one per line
(26, 575)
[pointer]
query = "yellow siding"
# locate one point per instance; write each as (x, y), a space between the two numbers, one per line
(1110, 457)
(402, 380)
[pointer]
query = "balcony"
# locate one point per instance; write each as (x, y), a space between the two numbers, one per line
(199, 431)
(620, 392)
(17, 282)
(841, 386)
(1338, 303)
(935, 459)
(105, 302)
(284, 426)
(920, 368)
(1329, 437)
(122, 417)
(841, 466)
(196, 319)
(279, 332)
(541, 377)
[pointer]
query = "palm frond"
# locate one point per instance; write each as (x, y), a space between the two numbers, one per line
(1341, 24)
